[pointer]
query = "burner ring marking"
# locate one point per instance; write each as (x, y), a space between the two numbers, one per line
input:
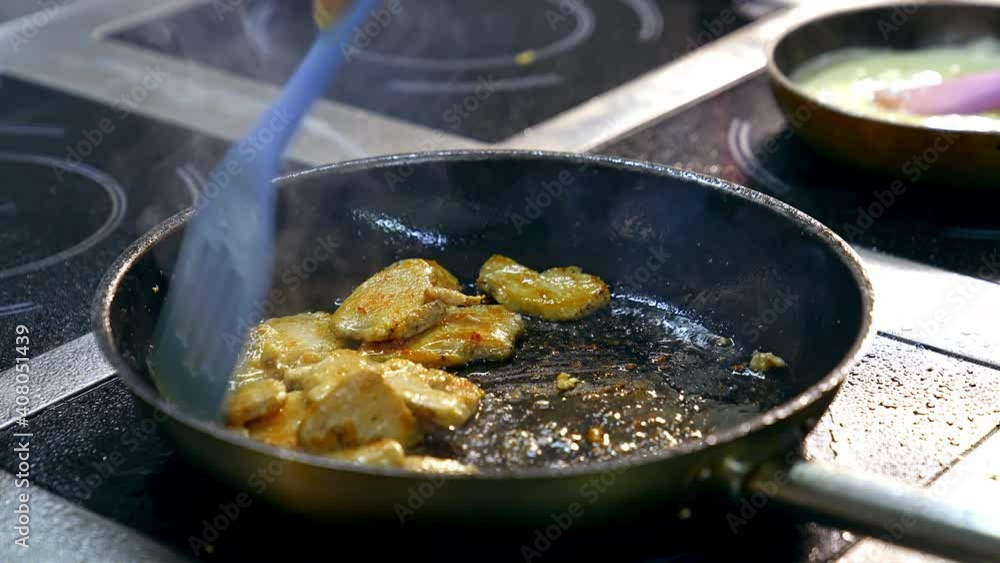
(742, 150)
(650, 19)
(116, 195)
(585, 24)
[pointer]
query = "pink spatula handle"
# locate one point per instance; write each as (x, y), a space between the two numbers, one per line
(975, 93)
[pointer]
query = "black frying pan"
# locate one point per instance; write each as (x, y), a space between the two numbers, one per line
(692, 261)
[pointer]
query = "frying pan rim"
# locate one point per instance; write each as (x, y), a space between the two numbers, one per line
(777, 75)
(829, 383)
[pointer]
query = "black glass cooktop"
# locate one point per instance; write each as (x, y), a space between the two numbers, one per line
(98, 450)
(80, 182)
(114, 462)
(741, 135)
(484, 70)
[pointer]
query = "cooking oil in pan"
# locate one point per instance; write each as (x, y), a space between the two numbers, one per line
(649, 379)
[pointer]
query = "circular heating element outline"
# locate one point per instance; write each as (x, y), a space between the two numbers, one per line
(585, 24)
(116, 197)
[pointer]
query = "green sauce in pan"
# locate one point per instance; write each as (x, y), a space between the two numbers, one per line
(848, 79)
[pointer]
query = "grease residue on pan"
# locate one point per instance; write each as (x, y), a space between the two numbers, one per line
(651, 378)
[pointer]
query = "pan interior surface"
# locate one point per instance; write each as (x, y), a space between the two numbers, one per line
(650, 379)
(701, 276)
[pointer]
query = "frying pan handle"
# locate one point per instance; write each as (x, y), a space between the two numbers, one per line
(875, 508)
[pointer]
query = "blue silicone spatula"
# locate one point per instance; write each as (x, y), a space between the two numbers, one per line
(224, 268)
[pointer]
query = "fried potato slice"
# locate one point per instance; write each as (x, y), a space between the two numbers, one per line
(766, 361)
(319, 379)
(254, 399)
(350, 404)
(281, 428)
(382, 453)
(434, 396)
(427, 464)
(390, 453)
(464, 335)
(283, 343)
(404, 299)
(557, 294)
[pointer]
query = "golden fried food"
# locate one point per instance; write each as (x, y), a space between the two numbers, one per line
(383, 453)
(764, 361)
(404, 299)
(281, 428)
(557, 294)
(360, 384)
(427, 464)
(464, 335)
(566, 382)
(434, 396)
(351, 407)
(254, 399)
(279, 344)
(319, 379)
(390, 453)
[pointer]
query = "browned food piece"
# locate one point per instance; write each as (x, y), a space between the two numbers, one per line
(557, 294)
(383, 453)
(390, 453)
(404, 299)
(279, 344)
(254, 399)
(764, 361)
(464, 335)
(434, 396)
(350, 404)
(427, 464)
(281, 428)
(566, 382)
(319, 379)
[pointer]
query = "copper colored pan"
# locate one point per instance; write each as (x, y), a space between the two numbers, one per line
(912, 154)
